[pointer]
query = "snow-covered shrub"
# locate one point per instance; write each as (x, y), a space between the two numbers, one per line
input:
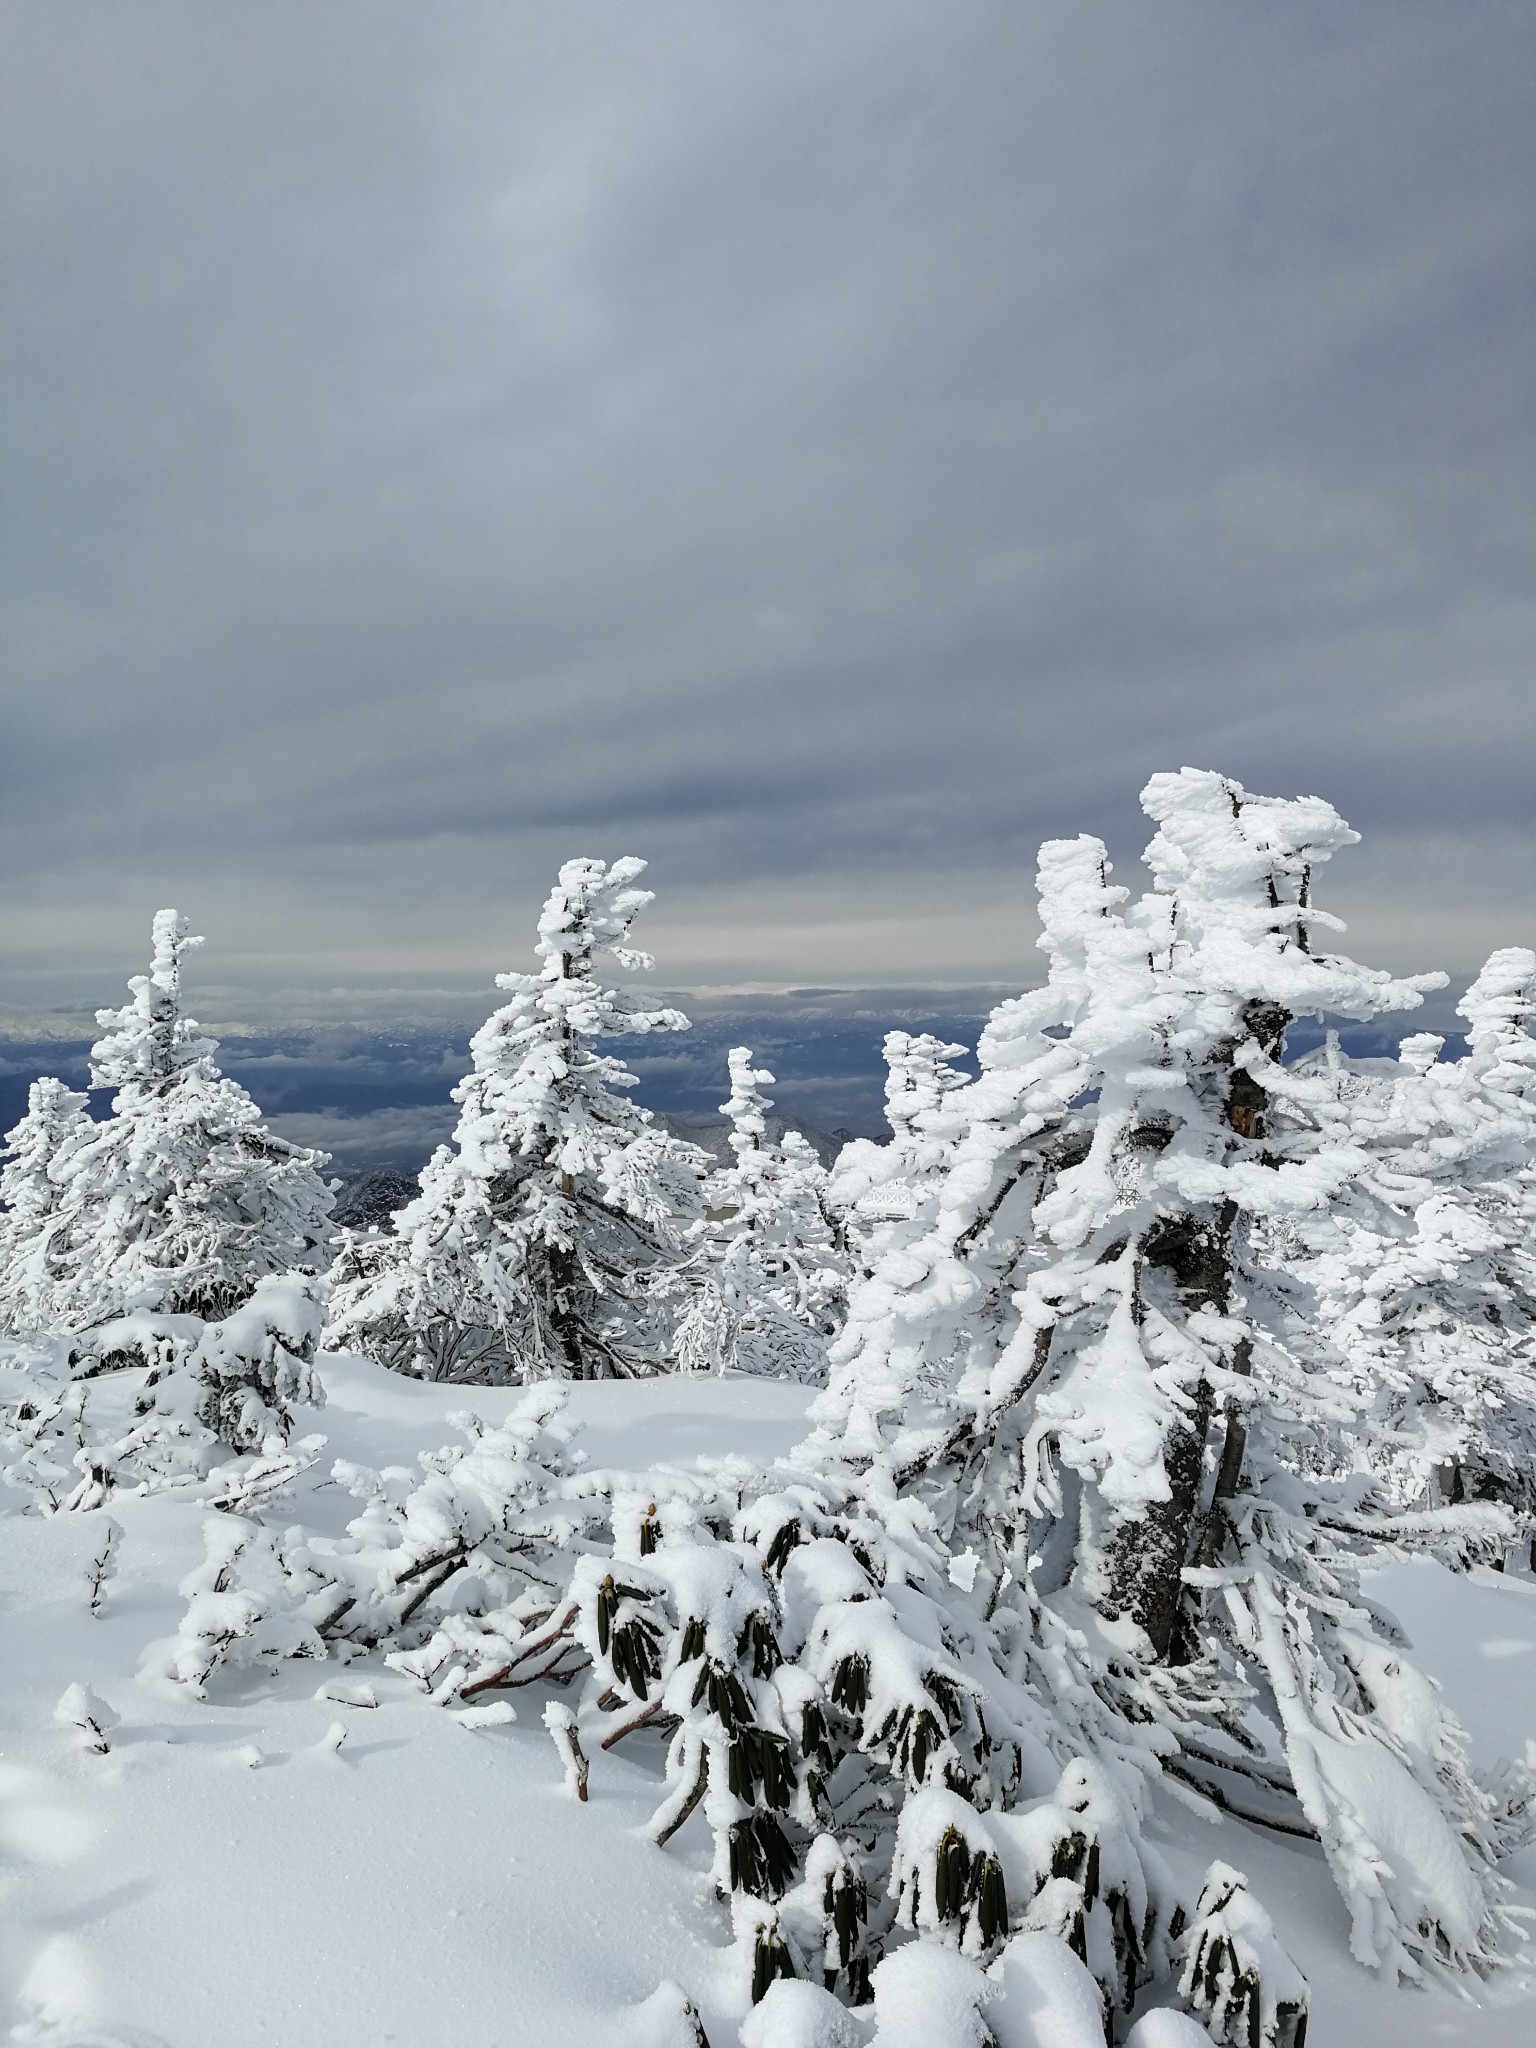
(241, 1608)
(561, 1724)
(1235, 1973)
(667, 2019)
(255, 1366)
(42, 1431)
(90, 1717)
(70, 1436)
(1045, 1998)
(947, 1872)
(929, 1997)
(101, 1565)
(793, 2014)
(1165, 2027)
(543, 1236)
(452, 1573)
(1071, 1865)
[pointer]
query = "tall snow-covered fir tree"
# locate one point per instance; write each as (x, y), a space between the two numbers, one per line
(543, 1236)
(33, 1229)
(182, 1200)
(1081, 1365)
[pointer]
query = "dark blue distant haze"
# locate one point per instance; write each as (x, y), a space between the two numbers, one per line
(381, 1097)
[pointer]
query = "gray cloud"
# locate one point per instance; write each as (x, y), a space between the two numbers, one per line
(401, 1138)
(823, 450)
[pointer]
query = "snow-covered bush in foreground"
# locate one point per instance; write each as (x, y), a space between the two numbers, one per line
(544, 1236)
(209, 1390)
(1235, 1971)
(840, 1715)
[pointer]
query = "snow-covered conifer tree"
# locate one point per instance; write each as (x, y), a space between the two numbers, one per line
(881, 1190)
(1421, 1277)
(183, 1199)
(542, 1235)
(770, 1273)
(1081, 1366)
(777, 1193)
(37, 1154)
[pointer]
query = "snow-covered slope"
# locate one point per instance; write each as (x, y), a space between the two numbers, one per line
(282, 1867)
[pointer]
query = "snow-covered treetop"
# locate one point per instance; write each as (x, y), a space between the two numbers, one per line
(918, 1075)
(590, 910)
(588, 914)
(531, 1047)
(1236, 872)
(1499, 1008)
(52, 1108)
(748, 1107)
(149, 1041)
(873, 1186)
(1072, 881)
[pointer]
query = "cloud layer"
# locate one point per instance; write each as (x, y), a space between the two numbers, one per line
(825, 451)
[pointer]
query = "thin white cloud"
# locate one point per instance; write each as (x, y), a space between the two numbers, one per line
(386, 1137)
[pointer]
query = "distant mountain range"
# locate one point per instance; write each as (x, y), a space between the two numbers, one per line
(377, 1099)
(367, 1200)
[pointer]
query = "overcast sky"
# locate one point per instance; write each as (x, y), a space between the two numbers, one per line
(823, 449)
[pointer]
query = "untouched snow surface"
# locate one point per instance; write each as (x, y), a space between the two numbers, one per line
(287, 1867)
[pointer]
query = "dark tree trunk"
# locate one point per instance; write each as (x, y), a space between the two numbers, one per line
(1149, 1555)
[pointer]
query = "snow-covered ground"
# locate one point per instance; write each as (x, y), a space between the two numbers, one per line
(275, 1868)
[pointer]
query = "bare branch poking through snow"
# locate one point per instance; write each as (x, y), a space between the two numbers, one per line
(80, 1708)
(561, 1723)
(101, 1566)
